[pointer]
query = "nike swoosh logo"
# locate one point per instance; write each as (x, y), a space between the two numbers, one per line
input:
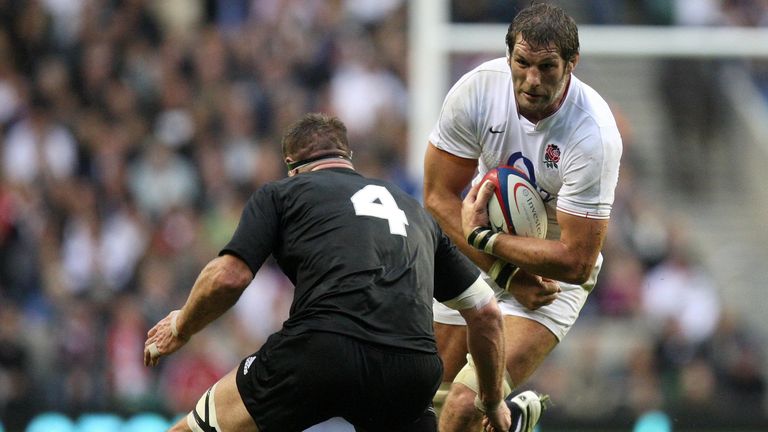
(490, 129)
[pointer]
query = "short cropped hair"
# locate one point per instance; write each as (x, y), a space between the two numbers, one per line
(542, 25)
(315, 134)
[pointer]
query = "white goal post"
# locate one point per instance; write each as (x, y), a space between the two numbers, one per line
(433, 38)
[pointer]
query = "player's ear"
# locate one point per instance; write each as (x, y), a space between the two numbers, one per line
(288, 161)
(571, 65)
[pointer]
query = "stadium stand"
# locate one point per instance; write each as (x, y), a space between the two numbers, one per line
(131, 134)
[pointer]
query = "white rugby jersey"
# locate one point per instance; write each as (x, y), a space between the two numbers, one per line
(572, 156)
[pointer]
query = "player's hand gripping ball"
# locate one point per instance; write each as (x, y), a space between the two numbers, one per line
(516, 206)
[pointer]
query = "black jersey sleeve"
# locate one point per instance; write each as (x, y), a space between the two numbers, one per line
(257, 232)
(454, 272)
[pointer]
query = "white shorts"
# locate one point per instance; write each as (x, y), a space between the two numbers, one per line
(558, 317)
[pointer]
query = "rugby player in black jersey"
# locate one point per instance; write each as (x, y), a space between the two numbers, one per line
(366, 260)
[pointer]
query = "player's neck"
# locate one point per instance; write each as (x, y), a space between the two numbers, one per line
(330, 163)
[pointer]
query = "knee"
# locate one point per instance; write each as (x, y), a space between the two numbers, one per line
(461, 401)
(459, 411)
(521, 365)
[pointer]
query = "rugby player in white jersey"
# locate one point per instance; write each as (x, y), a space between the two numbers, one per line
(526, 110)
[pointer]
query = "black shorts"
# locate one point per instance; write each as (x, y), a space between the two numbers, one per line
(294, 382)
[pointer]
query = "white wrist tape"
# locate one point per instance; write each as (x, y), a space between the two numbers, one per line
(482, 238)
(502, 273)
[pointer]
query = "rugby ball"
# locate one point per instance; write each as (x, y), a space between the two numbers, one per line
(516, 206)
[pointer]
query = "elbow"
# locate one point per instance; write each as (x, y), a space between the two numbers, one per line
(491, 313)
(431, 201)
(488, 316)
(231, 276)
(228, 281)
(576, 280)
(440, 204)
(579, 273)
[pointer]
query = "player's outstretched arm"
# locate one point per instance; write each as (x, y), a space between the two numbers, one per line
(485, 339)
(216, 289)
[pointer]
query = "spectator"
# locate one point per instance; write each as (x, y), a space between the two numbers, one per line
(680, 293)
(38, 148)
(162, 180)
(734, 351)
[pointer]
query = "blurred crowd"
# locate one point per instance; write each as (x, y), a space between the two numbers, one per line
(131, 134)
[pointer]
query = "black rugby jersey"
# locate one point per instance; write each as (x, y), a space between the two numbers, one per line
(366, 258)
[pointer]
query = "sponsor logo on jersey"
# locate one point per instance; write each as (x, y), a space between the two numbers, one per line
(248, 363)
(498, 130)
(551, 156)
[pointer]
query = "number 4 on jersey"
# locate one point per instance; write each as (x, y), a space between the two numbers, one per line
(376, 201)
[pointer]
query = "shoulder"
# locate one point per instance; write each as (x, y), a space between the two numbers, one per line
(588, 123)
(275, 193)
(497, 66)
(485, 76)
(587, 103)
(486, 88)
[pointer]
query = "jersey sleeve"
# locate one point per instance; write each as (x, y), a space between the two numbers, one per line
(591, 173)
(456, 127)
(257, 232)
(454, 272)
